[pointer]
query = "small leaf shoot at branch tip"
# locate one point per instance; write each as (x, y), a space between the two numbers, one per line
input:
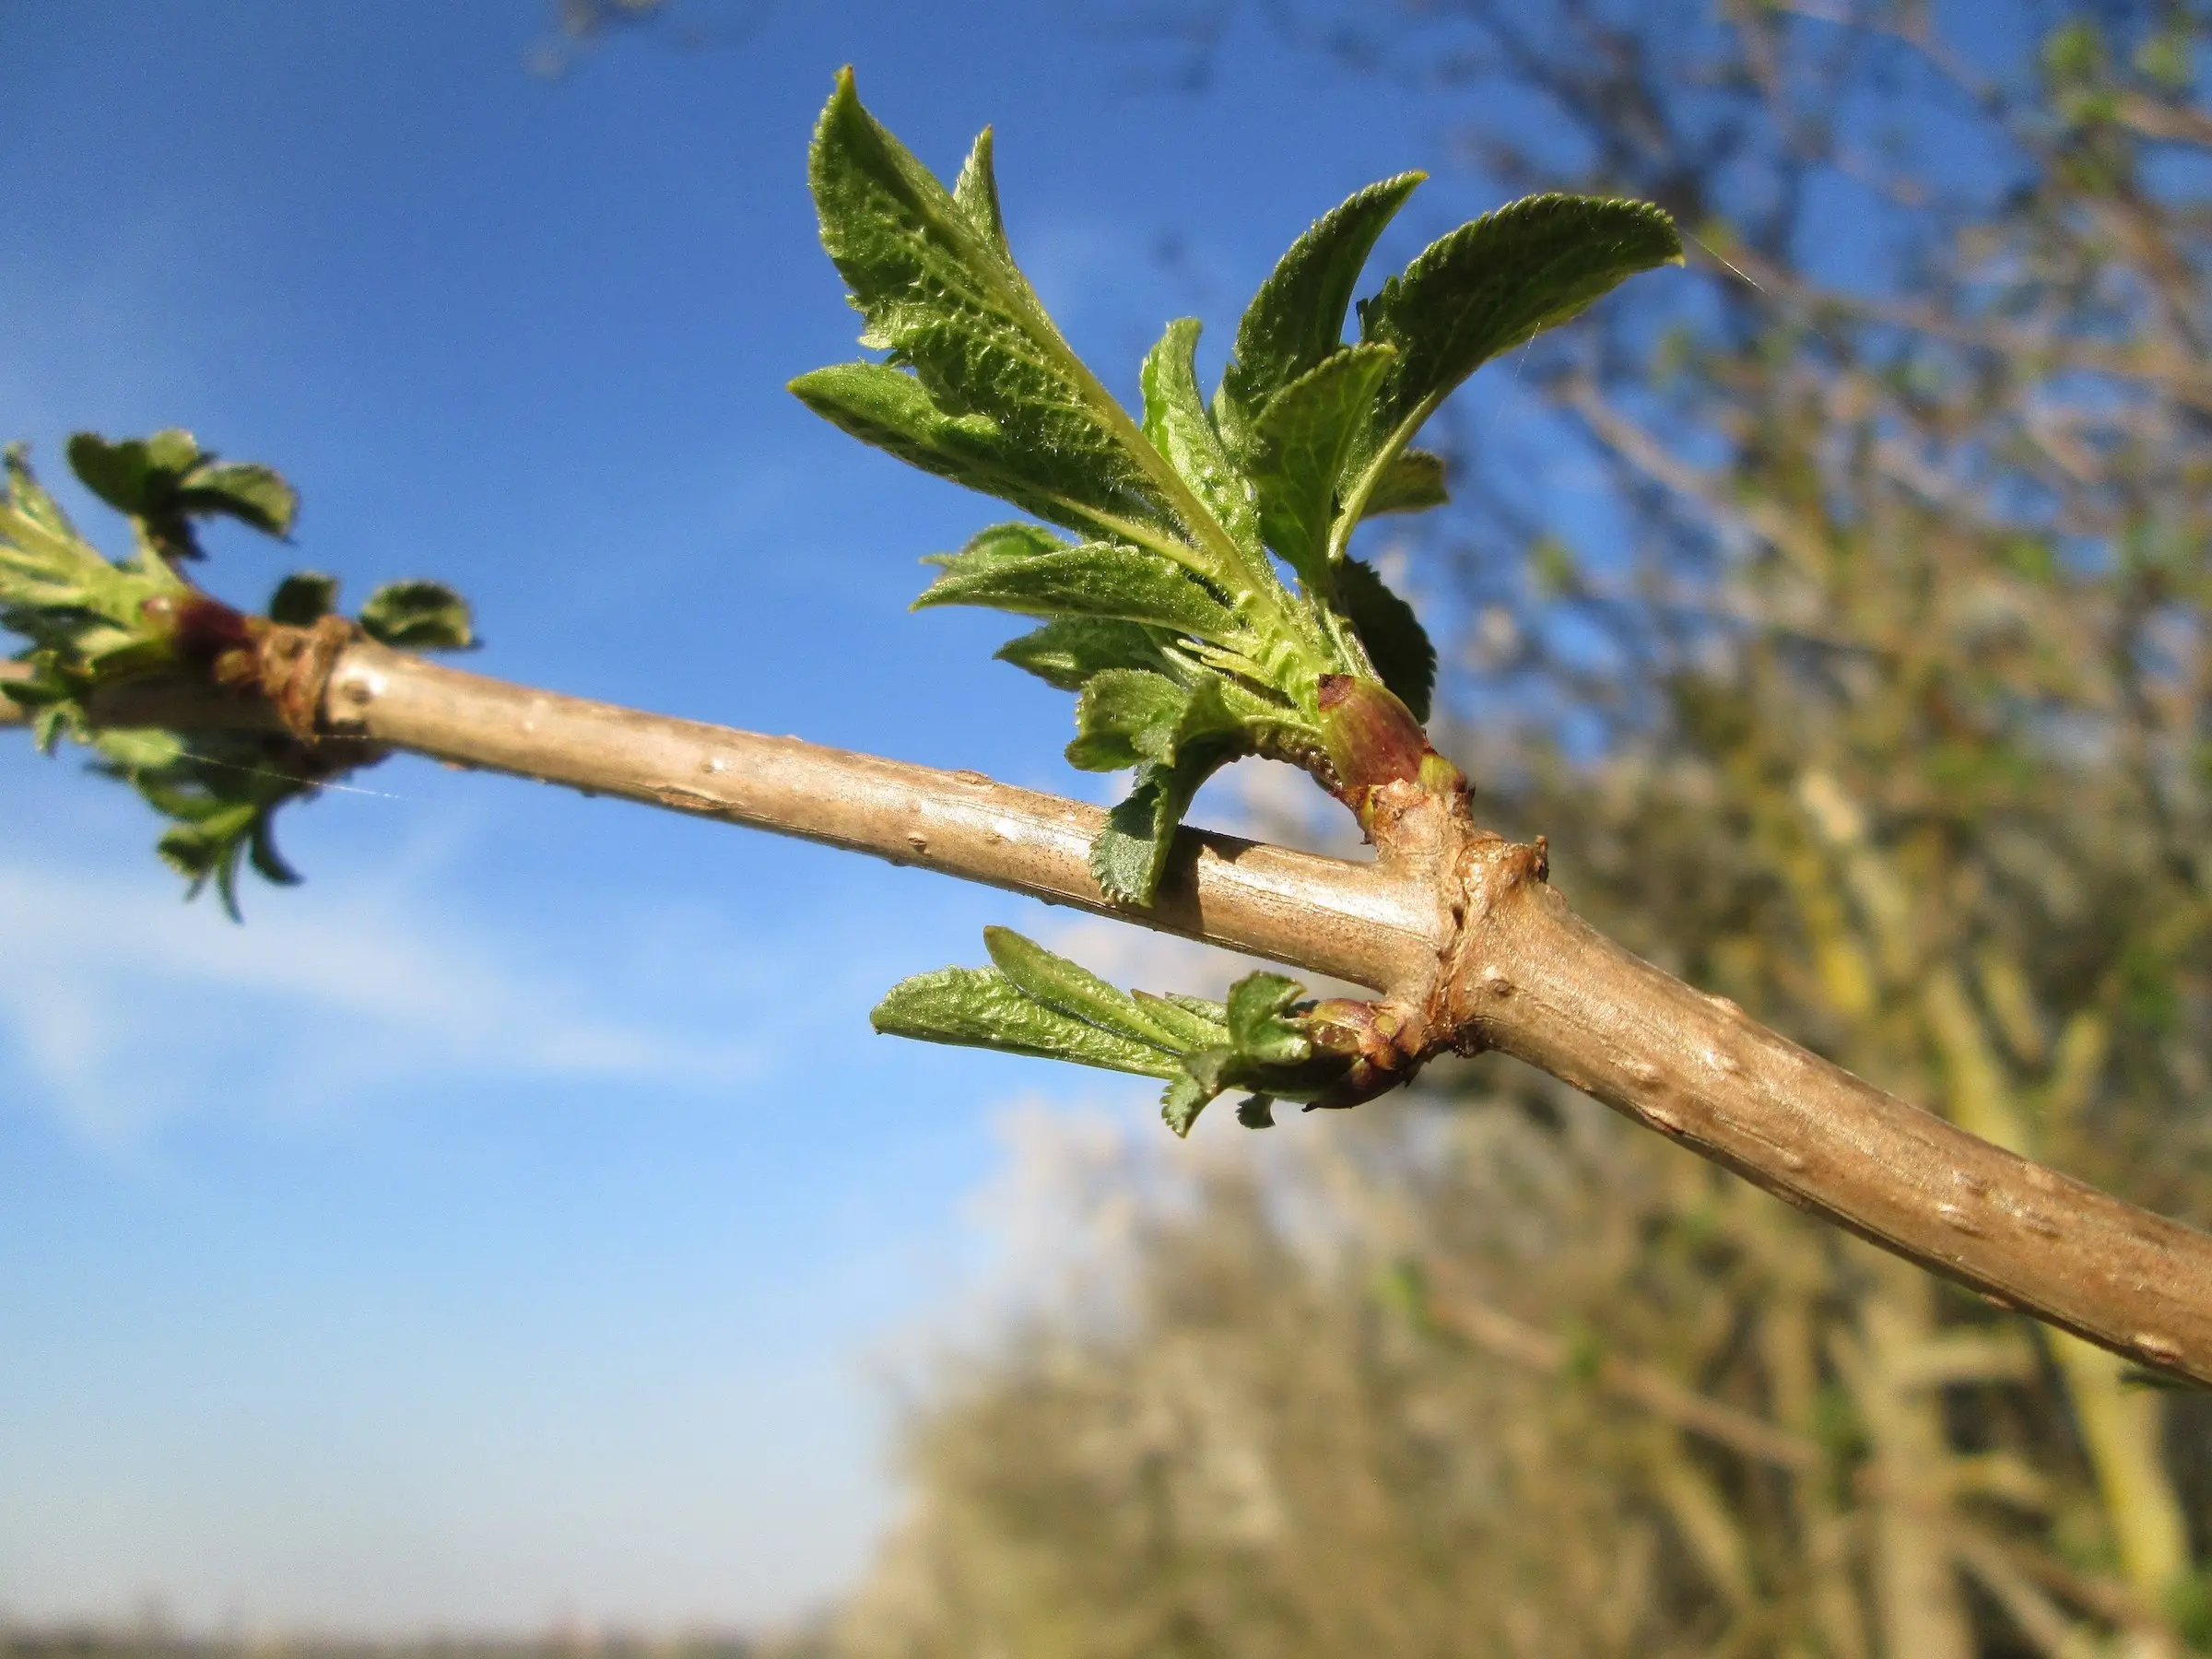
(1188, 646)
(93, 624)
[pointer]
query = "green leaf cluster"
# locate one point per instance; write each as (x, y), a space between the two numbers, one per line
(91, 623)
(221, 790)
(1200, 585)
(1032, 1002)
(86, 619)
(164, 482)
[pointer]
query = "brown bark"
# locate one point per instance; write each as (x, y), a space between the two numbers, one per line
(1450, 922)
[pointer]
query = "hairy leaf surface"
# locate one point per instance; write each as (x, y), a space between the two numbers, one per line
(1300, 444)
(892, 410)
(1099, 579)
(1297, 318)
(1179, 426)
(941, 293)
(1487, 288)
(1067, 652)
(1072, 989)
(981, 1007)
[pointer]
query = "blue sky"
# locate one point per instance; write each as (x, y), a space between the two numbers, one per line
(519, 1221)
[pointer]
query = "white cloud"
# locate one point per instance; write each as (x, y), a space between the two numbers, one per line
(129, 1009)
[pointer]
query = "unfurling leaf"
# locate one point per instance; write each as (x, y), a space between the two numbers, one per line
(1099, 579)
(1413, 483)
(1067, 652)
(1179, 426)
(976, 191)
(167, 480)
(1487, 288)
(303, 598)
(418, 616)
(1034, 1001)
(1256, 1022)
(981, 1007)
(1297, 318)
(1299, 443)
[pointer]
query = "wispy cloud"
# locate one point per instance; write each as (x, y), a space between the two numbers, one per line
(126, 1009)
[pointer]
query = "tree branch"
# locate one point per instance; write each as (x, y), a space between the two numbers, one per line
(1462, 926)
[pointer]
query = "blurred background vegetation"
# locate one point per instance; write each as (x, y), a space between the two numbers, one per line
(1864, 681)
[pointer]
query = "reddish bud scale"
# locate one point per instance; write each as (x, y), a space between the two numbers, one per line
(1368, 1032)
(201, 631)
(1374, 740)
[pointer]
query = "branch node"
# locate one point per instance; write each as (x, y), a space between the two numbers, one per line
(293, 668)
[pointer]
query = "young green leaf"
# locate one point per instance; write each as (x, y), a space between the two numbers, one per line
(1131, 854)
(136, 476)
(1297, 318)
(1033, 1002)
(1256, 1112)
(90, 621)
(1182, 1102)
(85, 619)
(1179, 426)
(981, 1007)
(1064, 985)
(261, 852)
(1099, 579)
(1396, 642)
(167, 480)
(303, 598)
(1212, 1012)
(1123, 717)
(892, 411)
(1257, 1027)
(1129, 717)
(1299, 443)
(244, 490)
(27, 497)
(1412, 483)
(976, 193)
(1267, 1049)
(1067, 652)
(221, 796)
(1192, 1022)
(1484, 290)
(998, 545)
(940, 292)
(418, 616)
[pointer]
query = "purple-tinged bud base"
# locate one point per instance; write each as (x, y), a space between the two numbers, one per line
(1373, 742)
